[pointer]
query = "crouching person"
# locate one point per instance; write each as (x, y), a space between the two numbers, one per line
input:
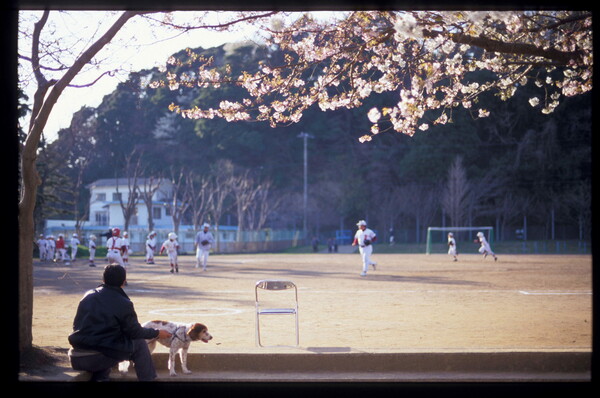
(106, 331)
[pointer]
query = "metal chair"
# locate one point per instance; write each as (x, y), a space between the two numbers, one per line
(291, 309)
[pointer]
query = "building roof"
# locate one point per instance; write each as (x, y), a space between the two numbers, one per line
(111, 182)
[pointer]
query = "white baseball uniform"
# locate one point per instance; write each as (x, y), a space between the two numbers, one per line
(451, 246)
(42, 244)
(365, 250)
(170, 246)
(50, 248)
(485, 246)
(125, 251)
(150, 247)
(74, 243)
(92, 248)
(114, 244)
(202, 251)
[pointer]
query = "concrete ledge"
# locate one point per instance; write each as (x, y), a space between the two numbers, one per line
(458, 366)
(386, 362)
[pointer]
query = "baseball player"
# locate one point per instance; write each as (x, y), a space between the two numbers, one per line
(74, 243)
(92, 248)
(126, 248)
(42, 244)
(61, 250)
(50, 248)
(364, 238)
(452, 246)
(485, 248)
(114, 246)
(203, 243)
(150, 247)
(170, 246)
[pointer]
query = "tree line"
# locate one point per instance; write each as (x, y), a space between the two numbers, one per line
(492, 171)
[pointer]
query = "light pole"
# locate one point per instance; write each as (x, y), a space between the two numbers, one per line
(305, 136)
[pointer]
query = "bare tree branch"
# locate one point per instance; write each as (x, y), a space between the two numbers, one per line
(488, 44)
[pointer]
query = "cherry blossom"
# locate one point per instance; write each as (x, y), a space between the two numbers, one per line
(426, 57)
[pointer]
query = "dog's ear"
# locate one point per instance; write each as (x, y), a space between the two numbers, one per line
(196, 330)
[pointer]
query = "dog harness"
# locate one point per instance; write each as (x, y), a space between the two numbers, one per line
(175, 336)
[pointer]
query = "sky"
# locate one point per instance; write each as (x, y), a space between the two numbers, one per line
(149, 52)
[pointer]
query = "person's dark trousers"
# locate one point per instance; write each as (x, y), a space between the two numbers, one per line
(100, 365)
(142, 360)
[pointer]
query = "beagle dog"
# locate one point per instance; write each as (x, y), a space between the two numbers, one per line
(182, 335)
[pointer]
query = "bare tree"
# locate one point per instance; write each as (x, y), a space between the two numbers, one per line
(262, 207)
(46, 96)
(325, 204)
(389, 209)
(179, 198)
(579, 200)
(419, 202)
(200, 196)
(455, 197)
(244, 190)
(147, 187)
(508, 210)
(484, 195)
(47, 93)
(129, 208)
(220, 186)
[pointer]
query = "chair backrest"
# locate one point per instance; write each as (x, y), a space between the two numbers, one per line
(274, 285)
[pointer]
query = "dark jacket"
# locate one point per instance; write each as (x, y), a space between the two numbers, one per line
(106, 321)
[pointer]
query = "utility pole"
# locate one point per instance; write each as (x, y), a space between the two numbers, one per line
(305, 136)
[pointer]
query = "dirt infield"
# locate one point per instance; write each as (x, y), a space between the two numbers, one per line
(412, 302)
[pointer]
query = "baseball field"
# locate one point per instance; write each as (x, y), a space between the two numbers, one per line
(411, 302)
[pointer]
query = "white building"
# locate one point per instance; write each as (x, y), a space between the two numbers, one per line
(106, 210)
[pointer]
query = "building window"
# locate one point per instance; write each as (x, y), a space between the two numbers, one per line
(101, 197)
(101, 218)
(134, 217)
(156, 213)
(116, 196)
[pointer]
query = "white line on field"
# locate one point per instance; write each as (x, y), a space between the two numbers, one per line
(553, 293)
(309, 290)
(196, 311)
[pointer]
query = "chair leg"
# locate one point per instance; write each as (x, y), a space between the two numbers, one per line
(258, 331)
(297, 331)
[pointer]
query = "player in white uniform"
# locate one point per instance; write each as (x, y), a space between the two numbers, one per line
(92, 249)
(150, 247)
(42, 244)
(364, 238)
(170, 246)
(203, 243)
(50, 248)
(485, 248)
(125, 248)
(74, 243)
(114, 246)
(452, 246)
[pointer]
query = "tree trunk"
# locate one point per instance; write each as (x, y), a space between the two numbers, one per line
(31, 180)
(30, 183)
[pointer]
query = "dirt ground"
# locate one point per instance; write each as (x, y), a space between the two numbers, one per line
(411, 302)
